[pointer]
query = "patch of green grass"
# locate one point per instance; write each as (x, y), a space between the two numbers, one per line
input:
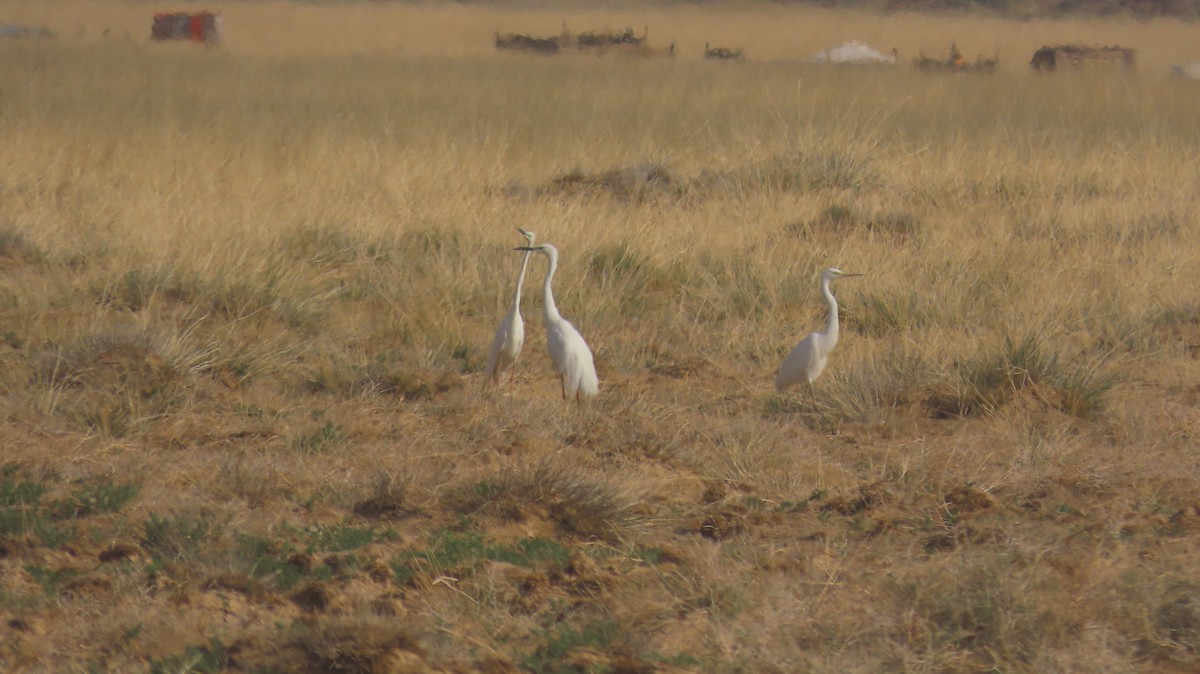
(447, 552)
(24, 493)
(531, 553)
(462, 553)
(650, 556)
(210, 659)
(93, 499)
(288, 559)
(344, 537)
(23, 514)
(51, 580)
(560, 641)
(274, 563)
(324, 438)
(179, 537)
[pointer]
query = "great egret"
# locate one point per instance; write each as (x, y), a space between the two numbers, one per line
(571, 355)
(807, 360)
(510, 336)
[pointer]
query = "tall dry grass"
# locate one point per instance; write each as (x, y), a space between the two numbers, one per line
(246, 293)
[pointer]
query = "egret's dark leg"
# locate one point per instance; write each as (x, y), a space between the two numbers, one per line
(812, 392)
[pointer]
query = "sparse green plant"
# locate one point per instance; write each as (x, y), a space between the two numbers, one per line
(51, 580)
(559, 642)
(343, 538)
(180, 537)
(322, 439)
(210, 659)
(985, 385)
(95, 498)
(982, 608)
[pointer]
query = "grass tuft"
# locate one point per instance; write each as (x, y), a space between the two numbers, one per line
(575, 501)
(986, 384)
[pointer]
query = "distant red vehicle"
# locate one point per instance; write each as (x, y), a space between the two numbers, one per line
(202, 27)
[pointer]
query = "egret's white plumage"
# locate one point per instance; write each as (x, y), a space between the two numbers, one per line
(807, 360)
(571, 355)
(510, 336)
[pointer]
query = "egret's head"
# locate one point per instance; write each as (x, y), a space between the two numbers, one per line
(529, 236)
(545, 249)
(835, 273)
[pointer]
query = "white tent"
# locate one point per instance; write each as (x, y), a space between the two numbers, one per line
(853, 52)
(1191, 72)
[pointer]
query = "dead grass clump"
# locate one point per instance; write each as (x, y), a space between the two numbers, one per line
(799, 172)
(576, 502)
(1175, 327)
(16, 247)
(333, 373)
(640, 183)
(987, 611)
(1177, 623)
(137, 289)
(882, 314)
(353, 644)
(182, 538)
(985, 385)
(387, 498)
(330, 247)
(112, 382)
(842, 220)
(830, 168)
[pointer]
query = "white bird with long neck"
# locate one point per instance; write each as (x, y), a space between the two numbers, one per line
(807, 360)
(510, 336)
(571, 355)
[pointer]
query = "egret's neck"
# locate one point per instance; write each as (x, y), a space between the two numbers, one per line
(516, 303)
(831, 328)
(551, 310)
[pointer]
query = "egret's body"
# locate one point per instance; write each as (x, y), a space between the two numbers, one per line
(806, 362)
(510, 336)
(569, 352)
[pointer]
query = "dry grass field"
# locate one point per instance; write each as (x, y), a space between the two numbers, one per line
(246, 295)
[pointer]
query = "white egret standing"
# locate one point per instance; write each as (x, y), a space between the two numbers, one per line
(510, 336)
(807, 360)
(571, 355)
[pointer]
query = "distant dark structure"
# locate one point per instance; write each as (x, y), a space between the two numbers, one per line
(722, 53)
(14, 30)
(955, 62)
(1050, 59)
(203, 27)
(527, 43)
(600, 43)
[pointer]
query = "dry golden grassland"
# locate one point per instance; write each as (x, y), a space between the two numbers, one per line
(246, 295)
